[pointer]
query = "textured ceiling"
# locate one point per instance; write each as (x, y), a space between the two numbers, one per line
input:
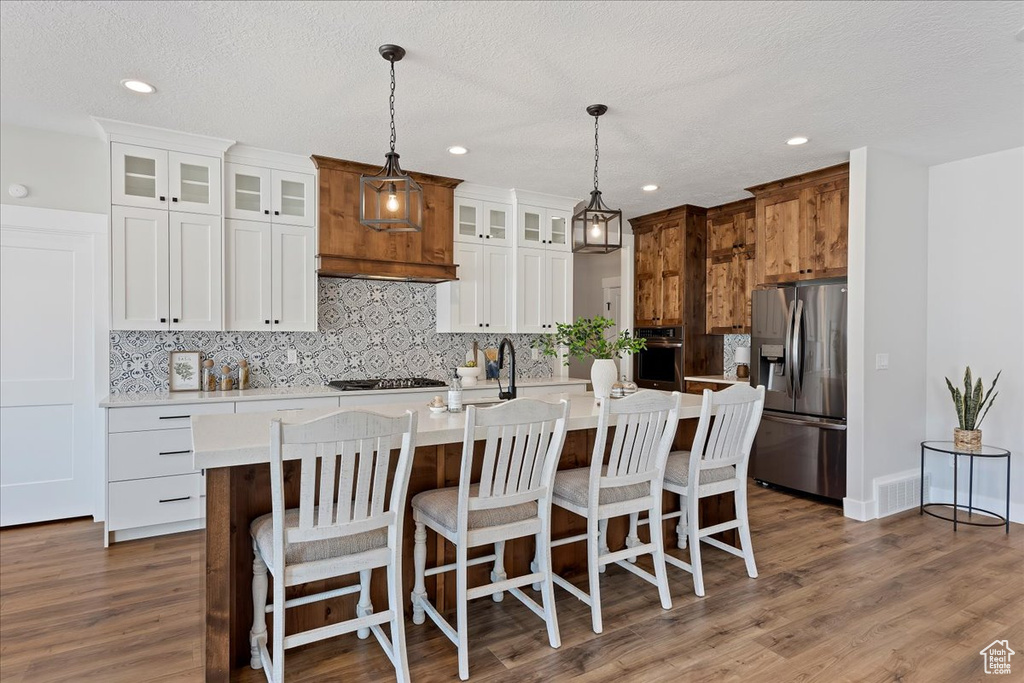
(701, 96)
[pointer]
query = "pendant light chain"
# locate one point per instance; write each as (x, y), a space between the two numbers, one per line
(391, 102)
(597, 152)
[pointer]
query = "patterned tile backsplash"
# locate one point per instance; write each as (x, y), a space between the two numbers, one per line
(729, 351)
(366, 329)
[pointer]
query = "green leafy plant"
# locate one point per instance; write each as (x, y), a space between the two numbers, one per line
(973, 403)
(470, 364)
(589, 338)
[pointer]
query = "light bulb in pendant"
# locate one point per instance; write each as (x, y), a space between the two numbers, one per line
(595, 230)
(392, 203)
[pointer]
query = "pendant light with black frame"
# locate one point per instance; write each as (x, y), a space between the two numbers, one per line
(596, 229)
(391, 201)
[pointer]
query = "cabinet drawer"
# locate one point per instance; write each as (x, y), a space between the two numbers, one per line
(145, 418)
(286, 404)
(699, 387)
(144, 502)
(156, 453)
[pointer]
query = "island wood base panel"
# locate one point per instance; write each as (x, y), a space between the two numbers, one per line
(237, 495)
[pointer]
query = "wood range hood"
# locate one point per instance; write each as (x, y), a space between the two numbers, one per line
(350, 249)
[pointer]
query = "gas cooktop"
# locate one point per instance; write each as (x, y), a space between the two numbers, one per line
(396, 383)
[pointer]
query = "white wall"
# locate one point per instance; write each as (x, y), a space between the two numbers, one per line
(887, 315)
(976, 310)
(588, 294)
(61, 171)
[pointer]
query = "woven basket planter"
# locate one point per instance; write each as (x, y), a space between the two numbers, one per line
(967, 439)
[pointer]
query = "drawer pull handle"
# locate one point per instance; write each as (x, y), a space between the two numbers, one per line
(175, 417)
(174, 500)
(174, 452)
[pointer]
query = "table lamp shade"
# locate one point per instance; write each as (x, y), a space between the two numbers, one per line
(742, 355)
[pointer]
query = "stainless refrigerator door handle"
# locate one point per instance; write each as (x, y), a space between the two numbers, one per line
(803, 423)
(798, 350)
(787, 368)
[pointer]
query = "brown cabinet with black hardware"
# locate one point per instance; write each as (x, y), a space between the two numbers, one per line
(730, 267)
(801, 226)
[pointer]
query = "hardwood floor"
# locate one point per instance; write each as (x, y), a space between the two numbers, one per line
(899, 599)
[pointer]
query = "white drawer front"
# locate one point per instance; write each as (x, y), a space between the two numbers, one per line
(286, 404)
(157, 453)
(161, 417)
(144, 502)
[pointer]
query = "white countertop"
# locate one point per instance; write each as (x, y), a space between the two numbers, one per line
(717, 379)
(244, 438)
(159, 398)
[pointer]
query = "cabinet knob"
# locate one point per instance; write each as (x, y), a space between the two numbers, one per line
(163, 198)
(479, 324)
(174, 320)
(480, 236)
(277, 213)
(266, 322)
(277, 322)
(266, 211)
(174, 199)
(488, 237)
(163, 320)
(487, 324)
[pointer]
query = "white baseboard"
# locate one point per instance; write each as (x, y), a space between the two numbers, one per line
(860, 510)
(992, 504)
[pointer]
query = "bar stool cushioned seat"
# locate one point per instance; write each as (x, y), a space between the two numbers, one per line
(573, 486)
(677, 470)
(262, 529)
(442, 507)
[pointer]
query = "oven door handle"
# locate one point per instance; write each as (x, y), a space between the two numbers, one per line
(664, 345)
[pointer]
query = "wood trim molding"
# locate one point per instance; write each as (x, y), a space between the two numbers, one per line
(732, 207)
(343, 266)
(807, 178)
(641, 221)
(369, 169)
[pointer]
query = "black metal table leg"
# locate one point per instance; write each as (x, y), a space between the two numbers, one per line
(970, 490)
(956, 469)
(920, 508)
(1008, 493)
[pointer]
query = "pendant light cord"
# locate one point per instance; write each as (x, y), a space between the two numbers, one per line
(597, 152)
(392, 105)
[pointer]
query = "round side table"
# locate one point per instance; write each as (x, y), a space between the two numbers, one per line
(994, 518)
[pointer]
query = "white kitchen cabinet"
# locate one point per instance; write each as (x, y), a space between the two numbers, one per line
(543, 228)
(483, 221)
(140, 281)
(543, 290)
(481, 299)
(271, 277)
(293, 278)
(152, 178)
(247, 277)
(270, 195)
(195, 271)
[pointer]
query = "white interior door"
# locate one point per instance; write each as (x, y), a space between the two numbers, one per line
(49, 293)
(293, 278)
(196, 266)
(139, 278)
(248, 277)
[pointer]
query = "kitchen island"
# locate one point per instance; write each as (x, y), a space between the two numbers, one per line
(234, 450)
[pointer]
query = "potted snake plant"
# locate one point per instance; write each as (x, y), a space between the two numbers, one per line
(971, 405)
(589, 338)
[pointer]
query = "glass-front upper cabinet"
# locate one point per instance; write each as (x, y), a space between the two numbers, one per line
(194, 183)
(138, 176)
(558, 229)
(483, 222)
(293, 201)
(497, 224)
(467, 220)
(531, 227)
(248, 192)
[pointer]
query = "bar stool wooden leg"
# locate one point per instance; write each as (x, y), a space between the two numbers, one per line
(419, 559)
(259, 605)
(364, 607)
(498, 574)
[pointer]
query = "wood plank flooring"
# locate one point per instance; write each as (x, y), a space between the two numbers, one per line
(899, 599)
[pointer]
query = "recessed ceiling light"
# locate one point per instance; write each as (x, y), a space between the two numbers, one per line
(796, 141)
(457, 150)
(649, 188)
(138, 86)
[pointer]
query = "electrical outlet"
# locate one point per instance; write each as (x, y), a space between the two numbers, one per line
(534, 354)
(293, 357)
(881, 361)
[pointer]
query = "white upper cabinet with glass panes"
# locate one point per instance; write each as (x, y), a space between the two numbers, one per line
(270, 195)
(153, 178)
(544, 228)
(483, 222)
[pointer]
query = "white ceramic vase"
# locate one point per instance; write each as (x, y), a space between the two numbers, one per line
(602, 375)
(469, 375)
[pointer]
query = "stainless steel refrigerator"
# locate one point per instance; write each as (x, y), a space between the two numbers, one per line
(798, 349)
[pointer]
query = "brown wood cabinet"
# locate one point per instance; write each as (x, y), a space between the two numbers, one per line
(801, 226)
(730, 267)
(350, 249)
(699, 387)
(670, 278)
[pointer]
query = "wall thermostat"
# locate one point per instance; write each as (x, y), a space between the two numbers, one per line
(17, 191)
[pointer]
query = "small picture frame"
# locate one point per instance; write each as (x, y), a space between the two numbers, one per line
(184, 370)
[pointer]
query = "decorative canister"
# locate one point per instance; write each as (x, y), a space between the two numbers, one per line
(209, 379)
(225, 378)
(243, 374)
(967, 439)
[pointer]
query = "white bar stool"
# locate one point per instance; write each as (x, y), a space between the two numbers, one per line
(630, 482)
(345, 524)
(721, 467)
(524, 440)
